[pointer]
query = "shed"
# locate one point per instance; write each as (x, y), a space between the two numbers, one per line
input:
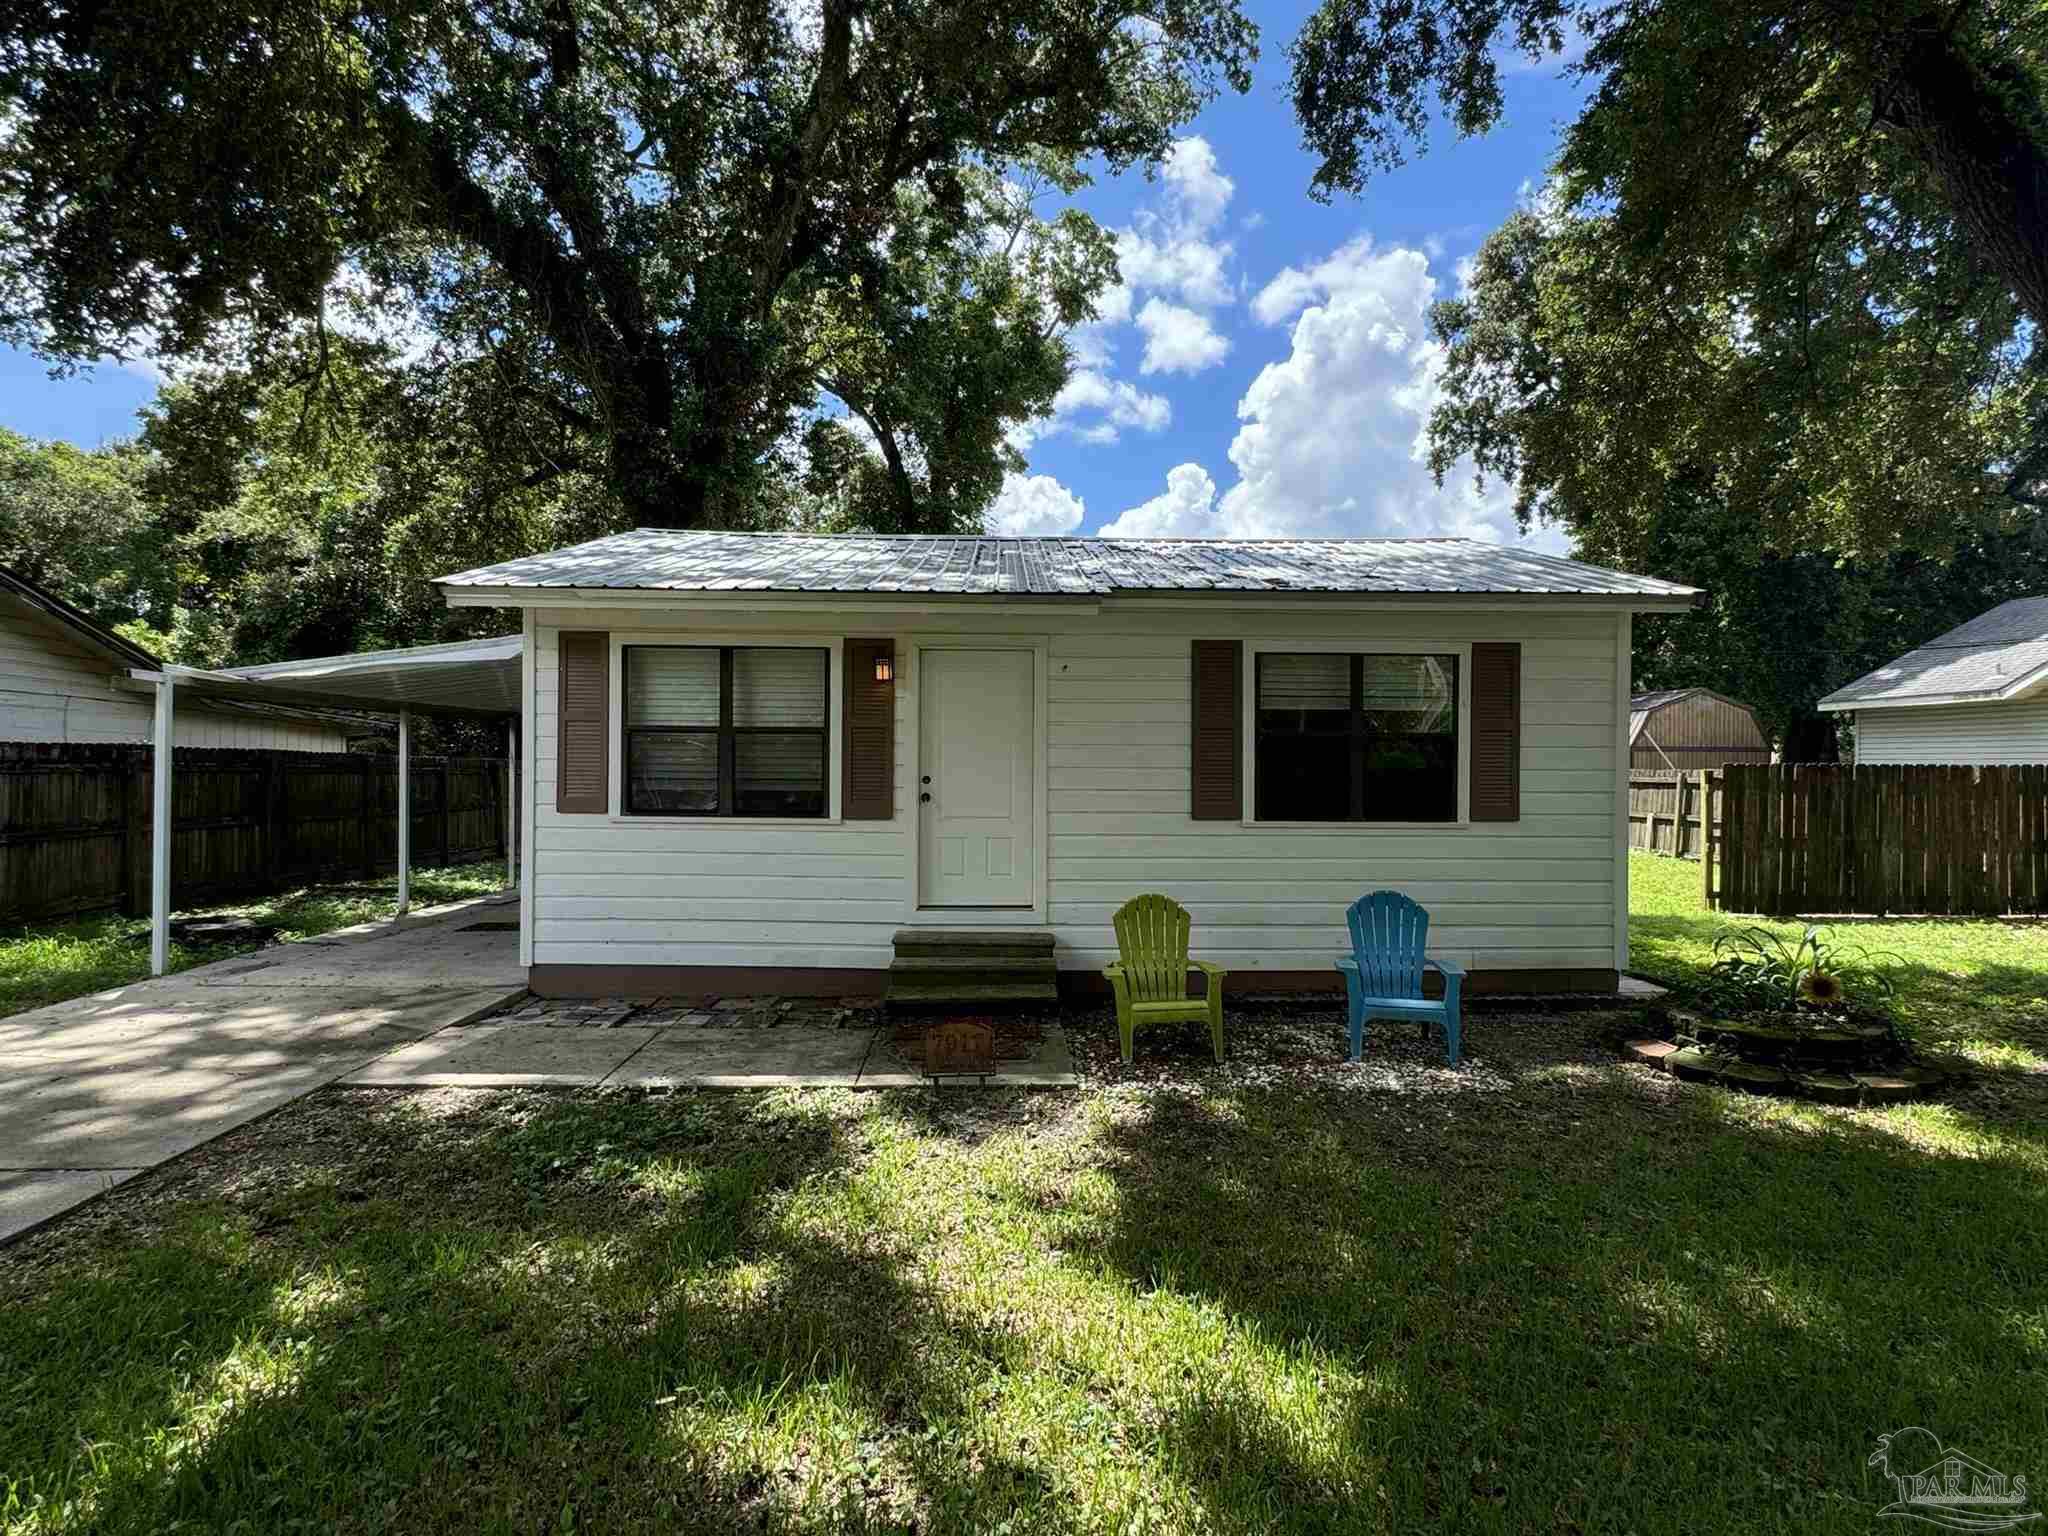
(789, 763)
(1692, 728)
(1975, 695)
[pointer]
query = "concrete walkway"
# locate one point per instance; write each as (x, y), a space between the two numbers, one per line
(523, 1055)
(98, 1089)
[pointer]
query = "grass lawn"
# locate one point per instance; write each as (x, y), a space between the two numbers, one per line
(49, 962)
(1973, 986)
(1543, 1291)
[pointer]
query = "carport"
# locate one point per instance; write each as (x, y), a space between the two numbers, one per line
(470, 679)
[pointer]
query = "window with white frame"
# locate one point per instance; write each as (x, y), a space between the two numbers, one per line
(726, 730)
(1355, 736)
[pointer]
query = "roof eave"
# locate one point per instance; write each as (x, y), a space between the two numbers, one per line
(69, 616)
(2018, 688)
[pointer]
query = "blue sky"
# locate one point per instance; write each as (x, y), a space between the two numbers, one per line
(1263, 370)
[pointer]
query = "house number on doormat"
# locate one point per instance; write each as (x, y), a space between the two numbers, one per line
(960, 1047)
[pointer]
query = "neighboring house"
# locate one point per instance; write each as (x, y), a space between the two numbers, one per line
(1692, 728)
(754, 759)
(63, 678)
(1978, 694)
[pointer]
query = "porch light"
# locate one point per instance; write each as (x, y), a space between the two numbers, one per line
(885, 669)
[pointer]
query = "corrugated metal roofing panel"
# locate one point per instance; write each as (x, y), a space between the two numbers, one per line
(655, 559)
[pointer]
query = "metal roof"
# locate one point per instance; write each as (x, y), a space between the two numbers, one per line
(670, 560)
(1997, 655)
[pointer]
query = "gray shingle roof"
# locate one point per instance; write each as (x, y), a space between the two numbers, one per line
(1994, 656)
(657, 559)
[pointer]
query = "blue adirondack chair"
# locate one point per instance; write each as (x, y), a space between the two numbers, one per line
(1383, 972)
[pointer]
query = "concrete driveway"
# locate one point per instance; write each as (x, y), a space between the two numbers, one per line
(99, 1089)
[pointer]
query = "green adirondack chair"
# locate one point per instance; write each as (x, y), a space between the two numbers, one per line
(1151, 980)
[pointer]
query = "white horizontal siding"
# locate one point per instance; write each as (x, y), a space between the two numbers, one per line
(2015, 731)
(1538, 894)
(54, 689)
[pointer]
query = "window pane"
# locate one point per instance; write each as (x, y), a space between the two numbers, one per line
(776, 775)
(1302, 778)
(1411, 753)
(671, 685)
(779, 688)
(1309, 693)
(672, 771)
(1411, 693)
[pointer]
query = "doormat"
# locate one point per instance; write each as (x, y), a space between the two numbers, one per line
(491, 927)
(1016, 1039)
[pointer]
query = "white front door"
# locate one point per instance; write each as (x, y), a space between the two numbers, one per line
(975, 797)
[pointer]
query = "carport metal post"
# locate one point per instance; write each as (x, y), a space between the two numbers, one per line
(404, 810)
(511, 794)
(163, 740)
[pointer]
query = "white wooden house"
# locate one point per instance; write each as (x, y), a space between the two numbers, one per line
(64, 678)
(1978, 694)
(755, 762)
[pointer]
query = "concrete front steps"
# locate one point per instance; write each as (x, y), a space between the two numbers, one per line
(939, 968)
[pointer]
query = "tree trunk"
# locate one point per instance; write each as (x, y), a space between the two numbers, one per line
(1811, 738)
(651, 486)
(1975, 123)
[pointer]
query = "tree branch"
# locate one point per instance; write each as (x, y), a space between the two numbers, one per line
(830, 95)
(1967, 120)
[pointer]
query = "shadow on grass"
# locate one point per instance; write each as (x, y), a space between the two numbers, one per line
(1574, 1300)
(1536, 1310)
(598, 1317)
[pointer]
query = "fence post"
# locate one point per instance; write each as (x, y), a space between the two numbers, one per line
(1706, 808)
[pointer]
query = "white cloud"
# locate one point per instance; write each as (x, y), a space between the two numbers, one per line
(1034, 504)
(1332, 437)
(1172, 269)
(1178, 340)
(1197, 181)
(1187, 510)
(1173, 260)
(1122, 405)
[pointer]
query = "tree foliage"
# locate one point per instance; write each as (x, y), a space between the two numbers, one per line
(76, 523)
(677, 233)
(253, 520)
(1778, 265)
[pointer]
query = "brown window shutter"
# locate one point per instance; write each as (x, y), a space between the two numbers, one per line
(867, 737)
(1496, 731)
(1216, 720)
(583, 784)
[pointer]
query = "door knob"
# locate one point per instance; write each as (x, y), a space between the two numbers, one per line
(925, 796)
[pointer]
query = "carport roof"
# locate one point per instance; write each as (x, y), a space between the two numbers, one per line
(462, 677)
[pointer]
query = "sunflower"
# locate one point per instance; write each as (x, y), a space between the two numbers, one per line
(1820, 987)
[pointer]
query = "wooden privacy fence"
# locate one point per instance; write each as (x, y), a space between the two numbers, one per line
(1825, 838)
(74, 822)
(1664, 811)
